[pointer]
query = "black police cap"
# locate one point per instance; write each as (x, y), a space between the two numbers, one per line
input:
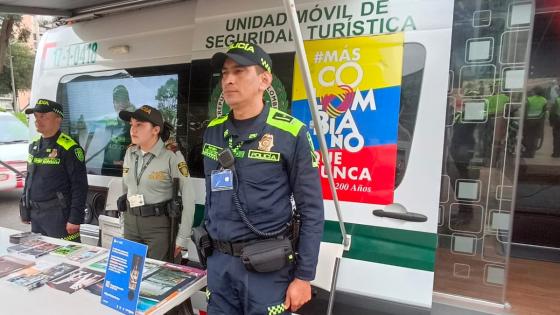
(44, 106)
(144, 113)
(244, 54)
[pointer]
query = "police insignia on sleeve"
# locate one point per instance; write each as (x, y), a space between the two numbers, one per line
(183, 169)
(266, 143)
(79, 154)
(125, 171)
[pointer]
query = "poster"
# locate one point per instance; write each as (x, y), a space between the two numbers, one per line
(123, 275)
(358, 87)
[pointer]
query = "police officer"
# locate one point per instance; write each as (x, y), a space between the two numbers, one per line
(119, 138)
(56, 186)
(534, 122)
(554, 120)
(148, 172)
(274, 160)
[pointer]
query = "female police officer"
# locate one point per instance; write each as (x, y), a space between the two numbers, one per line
(148, 172)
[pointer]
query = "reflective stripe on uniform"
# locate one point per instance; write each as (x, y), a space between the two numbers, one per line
(217, 121)
(276, 309)
(72, 237)
(45, 161)
(65, 141)
(284, 121)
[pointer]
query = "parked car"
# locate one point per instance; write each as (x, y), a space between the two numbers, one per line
(14, 142)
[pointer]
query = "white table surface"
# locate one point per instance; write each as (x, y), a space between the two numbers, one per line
(15, 300)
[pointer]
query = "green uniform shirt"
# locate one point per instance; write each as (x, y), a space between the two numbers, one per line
(156, 182)
(535, 106)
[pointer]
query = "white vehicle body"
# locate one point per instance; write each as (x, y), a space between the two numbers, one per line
(13, 151)
(389, 260)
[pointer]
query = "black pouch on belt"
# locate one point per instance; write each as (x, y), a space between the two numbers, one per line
(267, 255)
(24, 211)
(203, 243)
(122, 203)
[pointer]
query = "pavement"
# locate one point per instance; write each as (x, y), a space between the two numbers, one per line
(9, 210)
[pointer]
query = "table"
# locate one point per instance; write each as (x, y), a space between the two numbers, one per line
(48, 301)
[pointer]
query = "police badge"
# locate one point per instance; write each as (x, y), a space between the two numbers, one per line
(183, 168)
(53, 153)
(79, 154)
(266, 143)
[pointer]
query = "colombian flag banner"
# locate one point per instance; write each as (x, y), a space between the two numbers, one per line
(358, 89)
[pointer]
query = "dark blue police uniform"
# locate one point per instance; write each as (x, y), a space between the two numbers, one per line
(56, 185)
(274, 159)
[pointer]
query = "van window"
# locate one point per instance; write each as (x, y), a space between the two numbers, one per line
(92, 102)
(13, 130)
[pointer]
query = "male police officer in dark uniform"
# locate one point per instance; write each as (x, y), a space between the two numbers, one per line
(56, 186)
(274, 159)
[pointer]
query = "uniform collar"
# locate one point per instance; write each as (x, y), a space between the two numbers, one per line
(54, 137)
(155, 150)
(256, 128)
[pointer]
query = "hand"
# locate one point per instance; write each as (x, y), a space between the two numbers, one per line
(178, 250)
(72, 228)
(26, 222)
(298, 293)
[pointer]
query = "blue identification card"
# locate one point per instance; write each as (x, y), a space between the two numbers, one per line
(221, 180)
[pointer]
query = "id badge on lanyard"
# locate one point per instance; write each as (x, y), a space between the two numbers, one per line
(221, 180)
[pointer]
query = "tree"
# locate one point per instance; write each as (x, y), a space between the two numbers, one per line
(10, 23)
(167, 101)
(23, 59)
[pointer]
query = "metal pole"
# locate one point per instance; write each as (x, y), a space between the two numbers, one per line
(14, 96)
(304, 68)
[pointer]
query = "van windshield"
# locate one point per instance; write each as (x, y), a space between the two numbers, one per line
(14, 131)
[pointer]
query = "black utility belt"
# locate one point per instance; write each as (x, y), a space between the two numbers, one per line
(156, 209)
(45, 205)
(266, 255)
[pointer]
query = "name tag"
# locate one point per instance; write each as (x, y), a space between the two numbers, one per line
(221, 180)
(135, 200)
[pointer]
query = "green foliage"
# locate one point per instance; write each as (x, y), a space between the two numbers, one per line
(22, 117)
(23, 59)
(167, 101)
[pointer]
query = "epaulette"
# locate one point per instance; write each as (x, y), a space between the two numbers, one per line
(172, 146)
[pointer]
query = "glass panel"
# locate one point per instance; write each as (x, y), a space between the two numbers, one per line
(488, 69)
(92, 102)
(536, 229)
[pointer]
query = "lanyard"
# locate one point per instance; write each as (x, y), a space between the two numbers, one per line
(235, 149)
(144, 167)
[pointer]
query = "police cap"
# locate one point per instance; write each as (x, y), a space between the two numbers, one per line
(144, 113)
(244, 54)
(44, 106)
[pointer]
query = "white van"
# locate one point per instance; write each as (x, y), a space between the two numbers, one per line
(14, 144)
(389, 195)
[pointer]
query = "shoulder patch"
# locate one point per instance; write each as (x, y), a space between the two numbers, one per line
(218, 121)
(79, 152)
(284, 122)
(171, 146)
(65, 141)
(183, 168)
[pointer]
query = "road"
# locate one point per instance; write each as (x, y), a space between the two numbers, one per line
(9, 210)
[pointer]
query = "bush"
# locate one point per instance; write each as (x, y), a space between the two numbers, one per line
(22, 117)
